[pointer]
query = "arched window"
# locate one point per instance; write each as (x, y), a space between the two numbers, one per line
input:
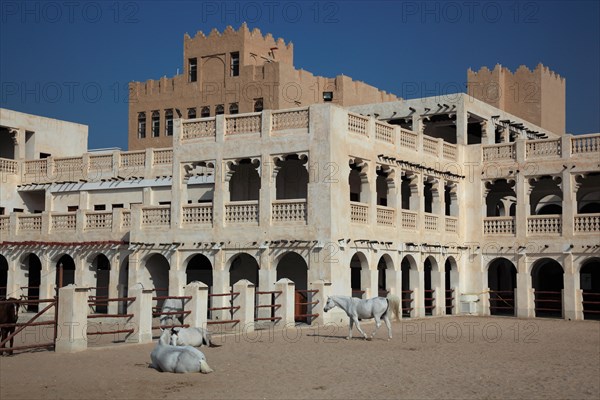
(169, 122)
(205, 112)
(258, 105)
(155, 124)
(219, 109)
(142, 125)
(191, 113)
(233, 108)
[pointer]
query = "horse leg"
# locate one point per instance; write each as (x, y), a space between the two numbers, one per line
(377, 325)
(359, 329)
(386, 319)
(350, 331)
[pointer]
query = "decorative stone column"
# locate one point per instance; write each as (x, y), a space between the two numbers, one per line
(245, 300)
(141, 308)
(197, 305)
(286, 300)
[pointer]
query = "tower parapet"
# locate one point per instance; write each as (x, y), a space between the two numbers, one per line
(536, 95)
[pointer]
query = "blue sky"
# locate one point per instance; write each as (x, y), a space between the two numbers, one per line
(72, 60)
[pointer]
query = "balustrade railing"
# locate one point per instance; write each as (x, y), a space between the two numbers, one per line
(8, 166)
(358, 124)
(162, 157)
(585, 144)
(449, 151)
(156, 216)
(197, 214)
(63, 221)
(296, 119)
(194, 128)
(386, 216)
(98, 220)
(408, 139)
(409, 220)
(131, 159)
(543, 148)
(544, 224)
(587, 223)
(384, 132)
(451, 224)
(359, 213)
(4, 223)
(430, 145)
(29, 223)
(243, 124)
(499, 226)
(101, 162)
(505, 151)
(241, 212)
(289, 211)
(126, 219)
(430, 222)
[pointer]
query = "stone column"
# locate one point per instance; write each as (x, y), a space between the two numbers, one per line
(141, 308)
(245, 300)
(437, 283)
(368, 281)
(523, 293)
(266, 280)
(324, 291)
(48, 277)
(286, 300)
(570, 295)
(197, 305)
(220, 285)
(418, 276)
(72, 319)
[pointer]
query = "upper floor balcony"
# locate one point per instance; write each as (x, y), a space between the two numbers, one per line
(549, 149)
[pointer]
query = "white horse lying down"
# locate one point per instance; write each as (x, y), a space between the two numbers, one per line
(377, 307)
(171, 305)
(195, 337)
(167, 358)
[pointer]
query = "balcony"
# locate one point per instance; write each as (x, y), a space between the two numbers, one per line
(197, 214)
(242, 212)
(359, 213)
(386, 216)
(499, 226)
(544, 225)
(289, 211)
(587, 223)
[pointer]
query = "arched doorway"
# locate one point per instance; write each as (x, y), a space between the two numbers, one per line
(243, 266)
(429, 283)
(293, 267)
(67, 265)
(157, 276)
(33, 271)
(450, 282)
(409, 271)
(3, 276)
(589, 283)
(199, 269)
(502, 282)
(101, 266)
(547, 279)
(356, 268)
(383, 265)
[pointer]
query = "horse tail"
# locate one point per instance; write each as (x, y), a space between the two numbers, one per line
(394, 305)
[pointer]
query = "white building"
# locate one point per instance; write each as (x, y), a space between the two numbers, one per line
(468, 201)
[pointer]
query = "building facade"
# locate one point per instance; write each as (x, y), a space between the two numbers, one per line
(233, 72)
(322, 195)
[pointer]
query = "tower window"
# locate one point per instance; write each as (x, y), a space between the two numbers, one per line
(191, 113)
(233, 108)
(205, 112)
(258, 105)
(155, 124)
(142, 125)
(327, 96)
(169, 122)
(235, 63)
(193, 69)
(219, 109)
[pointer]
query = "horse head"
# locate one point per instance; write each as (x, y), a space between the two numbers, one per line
(329, 304)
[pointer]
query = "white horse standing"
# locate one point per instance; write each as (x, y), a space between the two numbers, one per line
(195, 337)
(168, 358)
(377, 307)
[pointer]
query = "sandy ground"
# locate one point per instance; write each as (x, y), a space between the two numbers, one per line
(450, 357)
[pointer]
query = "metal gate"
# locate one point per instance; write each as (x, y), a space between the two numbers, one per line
(51, 308)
